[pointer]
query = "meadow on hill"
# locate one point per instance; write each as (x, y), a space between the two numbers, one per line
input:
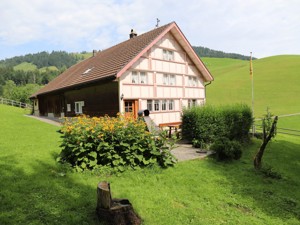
(276, 83)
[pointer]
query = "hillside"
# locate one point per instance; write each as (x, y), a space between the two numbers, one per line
(276, 83)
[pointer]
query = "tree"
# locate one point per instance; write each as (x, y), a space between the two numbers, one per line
(9, 89)
(269, 126)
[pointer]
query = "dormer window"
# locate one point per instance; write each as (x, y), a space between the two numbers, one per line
(168, 55)
(87, 71)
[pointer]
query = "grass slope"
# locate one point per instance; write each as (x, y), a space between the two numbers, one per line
(276, 81)
(37, 190)
(25, 66)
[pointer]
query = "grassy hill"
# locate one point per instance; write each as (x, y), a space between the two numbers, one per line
(276, 83)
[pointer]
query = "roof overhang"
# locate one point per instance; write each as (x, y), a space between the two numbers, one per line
(177, 33)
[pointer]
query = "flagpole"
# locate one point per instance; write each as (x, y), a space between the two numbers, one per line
(252, 87)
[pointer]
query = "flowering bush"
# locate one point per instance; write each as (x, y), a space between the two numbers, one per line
(116, 142)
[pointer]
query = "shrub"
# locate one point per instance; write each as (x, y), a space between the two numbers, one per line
(115, 142)
(226, 149)
(205, 124)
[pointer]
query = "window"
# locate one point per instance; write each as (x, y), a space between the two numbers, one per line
(128, 107)
(192, 81)
(192, 102)
(68, 107)
(156, 105)
(139, 77)
(169, 79)
(172, 80)
(134, 77)
(171, 104)
(143, 78)
(168, 55)
(164, 105)
(78, 107)
(166, 79)
(149, 105)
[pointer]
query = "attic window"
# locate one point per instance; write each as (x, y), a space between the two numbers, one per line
(87, 71)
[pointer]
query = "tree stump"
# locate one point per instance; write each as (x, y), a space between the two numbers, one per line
(114, 211)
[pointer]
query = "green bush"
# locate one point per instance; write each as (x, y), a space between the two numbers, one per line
(205, 124)
(116, 142)
(226, 149)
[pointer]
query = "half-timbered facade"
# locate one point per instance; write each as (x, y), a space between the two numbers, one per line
(158, 71)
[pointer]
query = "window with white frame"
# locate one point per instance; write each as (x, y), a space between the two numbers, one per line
(134, 77)
(149, 105)
(68, 107)
(172, 80)
(139, 77)
(168, 55)
(143, 78)
(169, 79)
(163, 105)
(171, 104)
(156, 105)
(78, 107)
(192, 102)
(166, 79)
(192, 81)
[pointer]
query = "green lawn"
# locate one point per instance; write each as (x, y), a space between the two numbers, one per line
(37, 190)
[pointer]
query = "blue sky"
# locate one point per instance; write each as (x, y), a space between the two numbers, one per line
(265, 27)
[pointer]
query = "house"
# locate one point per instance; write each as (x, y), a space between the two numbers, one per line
(157, 70)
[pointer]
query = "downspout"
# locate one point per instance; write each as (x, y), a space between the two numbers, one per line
(205, 89)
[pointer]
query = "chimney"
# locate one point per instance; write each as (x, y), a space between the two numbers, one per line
(132, 34)
(94, 52)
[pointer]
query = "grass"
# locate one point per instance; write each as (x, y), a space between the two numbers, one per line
(276, 82)
(37, 190)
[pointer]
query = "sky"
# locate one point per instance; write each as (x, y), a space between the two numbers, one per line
(264, 27)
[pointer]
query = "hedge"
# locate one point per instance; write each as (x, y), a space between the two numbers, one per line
(206, 124)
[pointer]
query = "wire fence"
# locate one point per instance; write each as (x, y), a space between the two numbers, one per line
(15, 103)
(294, 132)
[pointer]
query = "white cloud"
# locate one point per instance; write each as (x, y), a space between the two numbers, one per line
(265, 27)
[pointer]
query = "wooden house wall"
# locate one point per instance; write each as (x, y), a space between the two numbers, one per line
(98, 100)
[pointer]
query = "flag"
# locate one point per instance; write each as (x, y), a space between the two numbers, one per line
(251, 68)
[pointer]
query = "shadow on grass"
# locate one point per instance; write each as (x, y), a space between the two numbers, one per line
(278, 198)
(46, 196)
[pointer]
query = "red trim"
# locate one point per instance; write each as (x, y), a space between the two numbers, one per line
(145, 50)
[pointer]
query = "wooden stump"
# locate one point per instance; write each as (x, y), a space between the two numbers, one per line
(114, 211)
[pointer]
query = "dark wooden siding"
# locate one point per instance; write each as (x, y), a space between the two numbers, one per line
(98, 100)
(51, 104)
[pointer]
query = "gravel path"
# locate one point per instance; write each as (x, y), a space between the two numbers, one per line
(185, 151)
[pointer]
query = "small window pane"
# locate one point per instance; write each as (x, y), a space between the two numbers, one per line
(166, 79)
(156, 105)
(164, 105)
(171, 56)
(149, 105)
(135, 78)
(171, 104)
(143, 78)
(172, 80)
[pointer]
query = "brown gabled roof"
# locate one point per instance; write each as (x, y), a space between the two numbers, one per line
(112, 62)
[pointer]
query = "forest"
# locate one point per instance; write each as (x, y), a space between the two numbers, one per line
(19, 82)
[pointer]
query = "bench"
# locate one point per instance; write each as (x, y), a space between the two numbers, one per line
(173, 126)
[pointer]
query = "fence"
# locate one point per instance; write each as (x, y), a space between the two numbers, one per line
(258, 128)
(14, 103)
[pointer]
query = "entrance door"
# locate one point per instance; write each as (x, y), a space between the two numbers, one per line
(131, 107)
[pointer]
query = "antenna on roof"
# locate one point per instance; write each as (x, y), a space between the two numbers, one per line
(157, 23)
